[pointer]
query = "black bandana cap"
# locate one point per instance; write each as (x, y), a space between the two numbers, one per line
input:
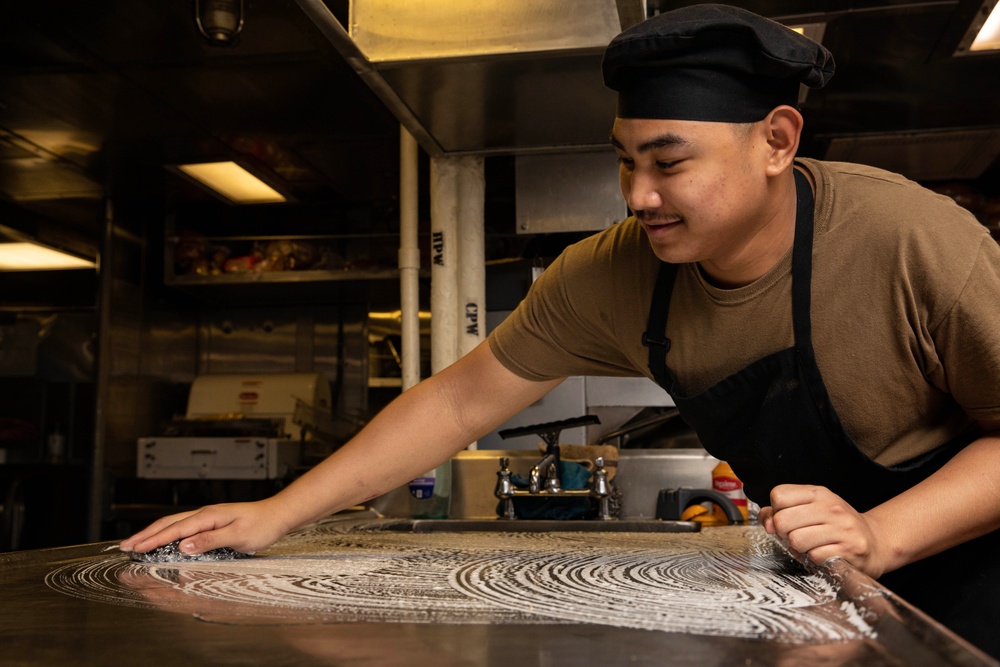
(711, 62)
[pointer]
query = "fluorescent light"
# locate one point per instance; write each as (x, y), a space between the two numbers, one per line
(983, 33)
(33, 257)
(988, 38)
(232, 182)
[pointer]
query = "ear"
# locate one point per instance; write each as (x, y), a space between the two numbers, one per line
(783, 127)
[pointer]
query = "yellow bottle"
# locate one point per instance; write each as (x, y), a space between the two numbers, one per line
(725, 481)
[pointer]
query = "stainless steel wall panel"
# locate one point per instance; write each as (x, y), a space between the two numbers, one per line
(564, 402)
(627, 391)
(508, 104)
(249, 340)
(19, 348)
(170, 344)
(568, 192)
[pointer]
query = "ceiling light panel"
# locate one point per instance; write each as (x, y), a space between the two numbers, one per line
(984, 31)
(233, 182)
(34, 257)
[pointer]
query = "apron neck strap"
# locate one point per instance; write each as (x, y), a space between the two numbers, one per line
(655, 335)
(802, 261)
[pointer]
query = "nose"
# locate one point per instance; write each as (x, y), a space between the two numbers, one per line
(640, 191)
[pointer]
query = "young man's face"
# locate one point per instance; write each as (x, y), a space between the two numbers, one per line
(698, 188)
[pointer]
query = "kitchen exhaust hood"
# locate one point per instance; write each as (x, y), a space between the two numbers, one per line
(488, 77)
(523, 79)
(934, 155)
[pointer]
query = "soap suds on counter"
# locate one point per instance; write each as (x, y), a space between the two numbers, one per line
(729, 582)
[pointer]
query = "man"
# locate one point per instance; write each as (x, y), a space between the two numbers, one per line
(828, 329)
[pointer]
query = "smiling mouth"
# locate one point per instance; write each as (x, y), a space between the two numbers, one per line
(654, 224)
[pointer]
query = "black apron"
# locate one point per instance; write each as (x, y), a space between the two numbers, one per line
(774, 424)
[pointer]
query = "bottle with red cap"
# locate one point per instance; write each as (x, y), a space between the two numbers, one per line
(725, 481)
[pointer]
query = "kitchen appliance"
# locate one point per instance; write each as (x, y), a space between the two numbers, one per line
(238, 426)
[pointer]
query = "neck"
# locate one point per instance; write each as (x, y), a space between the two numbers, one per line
(764, 244)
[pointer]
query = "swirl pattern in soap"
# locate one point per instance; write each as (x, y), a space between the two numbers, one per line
(732, 582)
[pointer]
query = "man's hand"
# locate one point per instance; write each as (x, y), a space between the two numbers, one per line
(818, 525)
(246, 527)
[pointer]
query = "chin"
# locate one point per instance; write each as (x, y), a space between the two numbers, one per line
(673, 254)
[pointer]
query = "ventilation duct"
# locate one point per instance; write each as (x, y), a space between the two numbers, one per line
(938, 155)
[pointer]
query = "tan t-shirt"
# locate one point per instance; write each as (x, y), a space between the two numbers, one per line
(905, 313)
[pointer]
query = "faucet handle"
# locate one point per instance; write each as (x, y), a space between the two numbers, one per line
(505, 489)
(505, 486)
(600, 487)
(552, 482)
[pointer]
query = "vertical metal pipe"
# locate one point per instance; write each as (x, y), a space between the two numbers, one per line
(471, 253)
(409, 258)
(444, 263)
(472, 256)
(105, 273)
(458, 270)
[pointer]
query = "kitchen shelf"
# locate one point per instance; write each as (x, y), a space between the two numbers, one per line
(199, 271)
(307, 276)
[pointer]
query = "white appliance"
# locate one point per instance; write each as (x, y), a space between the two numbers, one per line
(236, 427)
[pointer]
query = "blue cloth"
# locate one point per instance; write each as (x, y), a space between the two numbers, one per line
(571, 476)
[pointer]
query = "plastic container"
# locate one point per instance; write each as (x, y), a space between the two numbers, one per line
(725, 481)
(430, 494)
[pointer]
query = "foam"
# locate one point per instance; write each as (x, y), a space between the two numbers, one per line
(731, 582)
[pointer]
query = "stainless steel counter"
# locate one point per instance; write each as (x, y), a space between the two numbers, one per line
(81, 606)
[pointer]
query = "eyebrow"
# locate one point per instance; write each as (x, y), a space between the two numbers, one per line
(665, 140)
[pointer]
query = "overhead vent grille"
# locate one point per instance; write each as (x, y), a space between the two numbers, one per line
(942, 155)
(32, 172)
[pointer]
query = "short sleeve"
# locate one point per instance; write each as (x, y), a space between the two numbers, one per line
(968, 339)
(566, 325)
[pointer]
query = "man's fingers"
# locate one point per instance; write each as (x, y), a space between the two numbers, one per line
(806, 540)
(152, 529)
(820, 555)
(185, 529)
(796, 506)
(794, 518)
(169, 534)
(765, 517)
(784, 496)
(201, 542)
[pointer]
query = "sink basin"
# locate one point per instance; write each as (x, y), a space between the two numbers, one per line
(533, 526)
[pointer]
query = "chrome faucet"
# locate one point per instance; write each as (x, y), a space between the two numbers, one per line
(600, 488)
(544, 479)
(548, 468)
